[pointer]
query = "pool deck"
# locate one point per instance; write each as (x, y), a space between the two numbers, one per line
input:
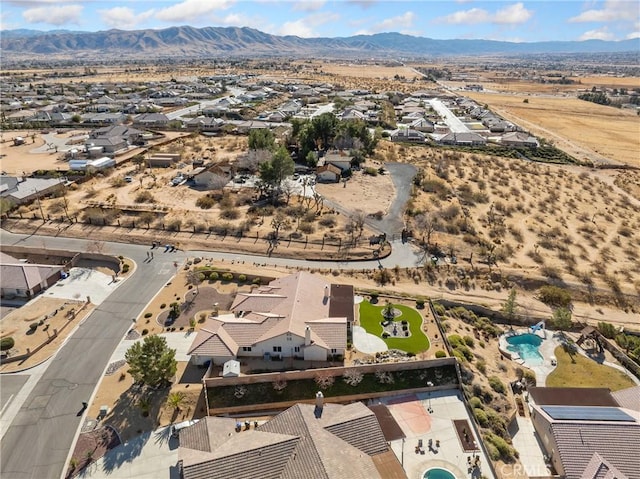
(424, 417)
(550, 341)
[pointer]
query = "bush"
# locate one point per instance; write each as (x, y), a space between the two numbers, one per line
(475, 402)
(480, 416)
(6, 343)
(163, 305)
(482, 366)
(370, 171)
(174, 225)
(497, 385)
(441, 354)
(227, 276)
(144, 197)
(419, 303)
(554, 296)
(125, 268)
(145, 332)
(33, 327)
(455, 340)
(307, 228)
(148, 315)
(468, 340)
(205, 202)
(256, 281)
(374, 298)
(242, 278)
(213, 276)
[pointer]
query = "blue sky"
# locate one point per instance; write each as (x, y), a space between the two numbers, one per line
(496, 20)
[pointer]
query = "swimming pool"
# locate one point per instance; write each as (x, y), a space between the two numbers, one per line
(526, 345)
(438, 473)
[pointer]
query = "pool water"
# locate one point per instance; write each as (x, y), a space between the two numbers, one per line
(526, 345)
(437, 473)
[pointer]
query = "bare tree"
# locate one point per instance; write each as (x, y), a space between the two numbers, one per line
(426, 225)
(352, 377)
(278, 222)
(195, 278)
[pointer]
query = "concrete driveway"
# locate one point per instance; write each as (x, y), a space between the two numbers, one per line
(152, 455)
(83, 282)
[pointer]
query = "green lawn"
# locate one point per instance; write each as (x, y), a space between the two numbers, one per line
(371, 316)
(585, 373)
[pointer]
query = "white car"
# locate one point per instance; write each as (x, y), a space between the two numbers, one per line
(177, 180)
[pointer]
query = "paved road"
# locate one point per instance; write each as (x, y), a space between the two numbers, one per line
(177, 114)
(37, 443)
(10, 386)
(453, 122)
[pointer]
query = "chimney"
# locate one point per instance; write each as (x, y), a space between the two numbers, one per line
(326, 291)
(319, 400)
(307, 336)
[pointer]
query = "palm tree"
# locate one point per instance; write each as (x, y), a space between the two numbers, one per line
(176, 399)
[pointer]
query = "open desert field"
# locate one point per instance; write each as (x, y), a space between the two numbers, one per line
(583, 129)
(366, 70)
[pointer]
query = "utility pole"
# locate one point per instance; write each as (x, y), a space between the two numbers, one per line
(39, 204)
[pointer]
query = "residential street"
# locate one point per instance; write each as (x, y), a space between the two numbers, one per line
(37, 443)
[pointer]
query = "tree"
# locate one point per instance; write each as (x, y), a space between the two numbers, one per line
(151, 361)
(324, 129)
(510, 307)
(561, 319)
(273, 172)
(176, 399)
(261, 139)
(195, 278)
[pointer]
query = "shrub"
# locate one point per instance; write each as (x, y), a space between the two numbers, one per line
(455, 340)
(227, 276)
(230, 214)
(370, 171)
(242, 278)
(554, 296)
(144, 197)
(174, 225)
(145, 332)
(163, 305)
(420, 303)
(205, 202)
(480, 416)
(213, 276)
(307, 228)
(475, 402)
(497, 385)
(6, 343)
(33, 326)
(374, 298)
(482, 366)
(256, 281)
(125, 268)
(148, 315)
(441, 354)
(468, 340)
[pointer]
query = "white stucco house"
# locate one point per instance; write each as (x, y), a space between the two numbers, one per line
(298, 316)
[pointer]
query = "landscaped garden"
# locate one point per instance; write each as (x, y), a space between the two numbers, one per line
(351, 382)
(372, 318)
(577, 371)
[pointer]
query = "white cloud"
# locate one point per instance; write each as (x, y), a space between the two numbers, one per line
(124, 17)
(632, 35)
(597, 34)
(308, 5)
(510, 15)
(363, 3)
(59, 15)
(612, 10)
(466, 17)
(191, 10)
(305, 27)
(393, 24)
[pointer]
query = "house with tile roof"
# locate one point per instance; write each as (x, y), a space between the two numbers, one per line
(323, 441)
(25, 279)
(298, 316)
(586, 433)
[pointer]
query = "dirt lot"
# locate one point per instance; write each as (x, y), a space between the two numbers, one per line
(575, 126)
(50, 314)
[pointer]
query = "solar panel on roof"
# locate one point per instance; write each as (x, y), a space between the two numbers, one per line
(587, 413)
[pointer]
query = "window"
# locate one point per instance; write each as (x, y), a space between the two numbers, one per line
(289, 337)
(277, 349)
(334, 351)
(296, 349)
(246, 348)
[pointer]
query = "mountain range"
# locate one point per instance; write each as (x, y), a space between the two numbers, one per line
(187, 41)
